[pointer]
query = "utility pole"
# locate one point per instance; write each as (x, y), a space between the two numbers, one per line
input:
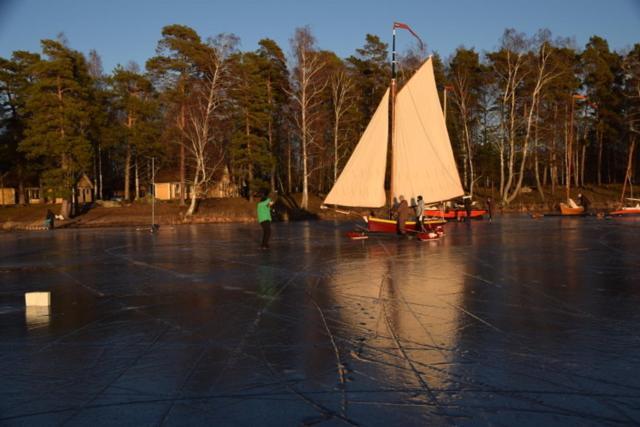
(154, 226)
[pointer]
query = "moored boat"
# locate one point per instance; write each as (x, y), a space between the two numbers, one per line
(627, 210)
(571, 208)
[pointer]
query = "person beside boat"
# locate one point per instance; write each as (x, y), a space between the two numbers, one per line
(489, 204)
(584, 202)
(264, 219)
(467, 207)
(402, 212)
(419, 210)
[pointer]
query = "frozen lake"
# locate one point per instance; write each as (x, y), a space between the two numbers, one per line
(515, 322)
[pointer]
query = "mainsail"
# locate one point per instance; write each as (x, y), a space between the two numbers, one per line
(423, 162)
(361, 182)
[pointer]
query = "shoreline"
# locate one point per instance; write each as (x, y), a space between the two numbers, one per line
(603, 199)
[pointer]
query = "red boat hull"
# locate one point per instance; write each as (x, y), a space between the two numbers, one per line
(626, 212)
(380, 225)
(455, 213)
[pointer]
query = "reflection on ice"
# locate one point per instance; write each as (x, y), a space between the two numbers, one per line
(37, 316)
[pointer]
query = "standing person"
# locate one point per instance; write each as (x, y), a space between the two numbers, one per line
(584, 202)
(49, 220)
(467, 207)
(489, 203)
(419, 214)
(403, 213)
(264, 219)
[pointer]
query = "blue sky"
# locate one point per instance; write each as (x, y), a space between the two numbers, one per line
(128, 30)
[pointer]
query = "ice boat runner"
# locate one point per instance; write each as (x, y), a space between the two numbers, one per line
(422, 160)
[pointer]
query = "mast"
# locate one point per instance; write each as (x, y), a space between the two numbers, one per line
(392, 112)
(392, 102)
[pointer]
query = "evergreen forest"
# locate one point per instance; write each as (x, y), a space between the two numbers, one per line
(539, 112)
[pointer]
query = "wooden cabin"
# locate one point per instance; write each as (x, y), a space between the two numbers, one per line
(7, 196)
(167, 186)
(85, 190)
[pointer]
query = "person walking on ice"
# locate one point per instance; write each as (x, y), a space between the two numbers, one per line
(264, 219)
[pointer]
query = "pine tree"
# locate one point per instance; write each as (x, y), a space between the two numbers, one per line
(58, 119)
(372, 75)
(276, 79)
(134, 100)
(15, 78)
(250, 152)
(601, 71)
(173, 70)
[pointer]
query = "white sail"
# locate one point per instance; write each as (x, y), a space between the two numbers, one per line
(361, 182)
(423, 162)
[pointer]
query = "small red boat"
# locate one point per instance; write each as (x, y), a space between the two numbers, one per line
(632, 210)
(628, 210)
(454, 213)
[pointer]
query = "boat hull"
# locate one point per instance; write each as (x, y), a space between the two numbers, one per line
(569, 211)
(632, 211)
(455, 213)
(380, 225)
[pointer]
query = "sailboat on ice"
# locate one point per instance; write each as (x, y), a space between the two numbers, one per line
(422, 161)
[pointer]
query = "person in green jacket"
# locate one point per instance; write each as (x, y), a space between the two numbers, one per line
(264, 218)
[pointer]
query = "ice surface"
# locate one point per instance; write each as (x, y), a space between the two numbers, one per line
(515, 322)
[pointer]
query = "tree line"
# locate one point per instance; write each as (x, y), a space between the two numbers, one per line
(536, 112)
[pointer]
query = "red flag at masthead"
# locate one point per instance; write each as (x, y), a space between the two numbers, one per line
(406, 27)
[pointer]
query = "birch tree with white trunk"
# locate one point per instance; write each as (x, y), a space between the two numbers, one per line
(306, 95)
(203, 138)
(342, 100)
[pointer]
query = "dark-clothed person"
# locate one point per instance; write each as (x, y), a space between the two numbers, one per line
(264, 218)
(419, 214)
(490, 208)
(403, 214)
(49, 220)
(584, 202)
(467, 207)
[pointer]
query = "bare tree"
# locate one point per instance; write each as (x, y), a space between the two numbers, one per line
(465, 78)
(203, 143)
(306, 94)
(518, 65)
(342, 100)
(508, 66)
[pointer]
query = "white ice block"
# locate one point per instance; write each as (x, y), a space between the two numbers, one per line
(39, 299)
